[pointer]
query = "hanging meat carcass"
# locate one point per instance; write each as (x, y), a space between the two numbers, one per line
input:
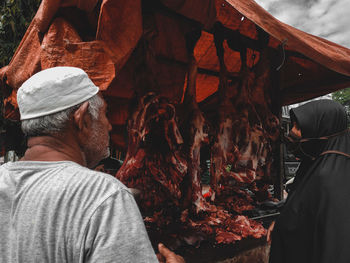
(261, 97)
(194, 129)
(154, 164)
(256, 127)
(224, 151)
(246, 128)
(244, 134)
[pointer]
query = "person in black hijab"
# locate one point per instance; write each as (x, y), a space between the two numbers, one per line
(314, 225)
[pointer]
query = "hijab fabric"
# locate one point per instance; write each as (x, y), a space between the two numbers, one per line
(314, 225)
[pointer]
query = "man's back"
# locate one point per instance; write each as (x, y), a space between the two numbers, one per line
(63, 212)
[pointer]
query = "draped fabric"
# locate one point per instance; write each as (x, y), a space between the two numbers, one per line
(114, 41)
(314, 224)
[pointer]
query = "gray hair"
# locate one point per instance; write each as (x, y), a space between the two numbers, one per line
(57, 122)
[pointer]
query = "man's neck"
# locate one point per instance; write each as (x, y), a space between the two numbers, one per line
(53, 149)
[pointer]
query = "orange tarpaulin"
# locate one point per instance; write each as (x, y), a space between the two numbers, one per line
(106, 38)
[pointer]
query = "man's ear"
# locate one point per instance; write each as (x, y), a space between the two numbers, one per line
(80, 116)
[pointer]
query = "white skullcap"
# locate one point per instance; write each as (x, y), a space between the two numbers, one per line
(53, 90)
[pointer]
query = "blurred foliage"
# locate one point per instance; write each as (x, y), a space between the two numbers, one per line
(15, 17)
(343, 97)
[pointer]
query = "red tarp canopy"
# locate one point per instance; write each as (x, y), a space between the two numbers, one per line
(103, 38)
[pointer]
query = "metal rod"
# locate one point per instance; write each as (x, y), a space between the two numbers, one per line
(265, 216)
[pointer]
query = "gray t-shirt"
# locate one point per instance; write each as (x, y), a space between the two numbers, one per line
(63, 212)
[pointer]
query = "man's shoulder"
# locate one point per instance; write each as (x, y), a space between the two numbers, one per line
(63, 175)
(86, 188)
(3, 167)
(94, 177)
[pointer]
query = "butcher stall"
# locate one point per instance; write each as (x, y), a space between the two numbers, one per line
(194, 90)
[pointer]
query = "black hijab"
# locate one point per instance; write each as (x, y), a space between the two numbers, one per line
(314, 225)
(317, 119)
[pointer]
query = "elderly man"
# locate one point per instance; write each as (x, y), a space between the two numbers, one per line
(53, 208)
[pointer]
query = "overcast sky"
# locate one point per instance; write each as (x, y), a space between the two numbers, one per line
(329, 19)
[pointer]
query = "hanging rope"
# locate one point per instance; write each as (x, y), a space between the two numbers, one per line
(283, 54)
